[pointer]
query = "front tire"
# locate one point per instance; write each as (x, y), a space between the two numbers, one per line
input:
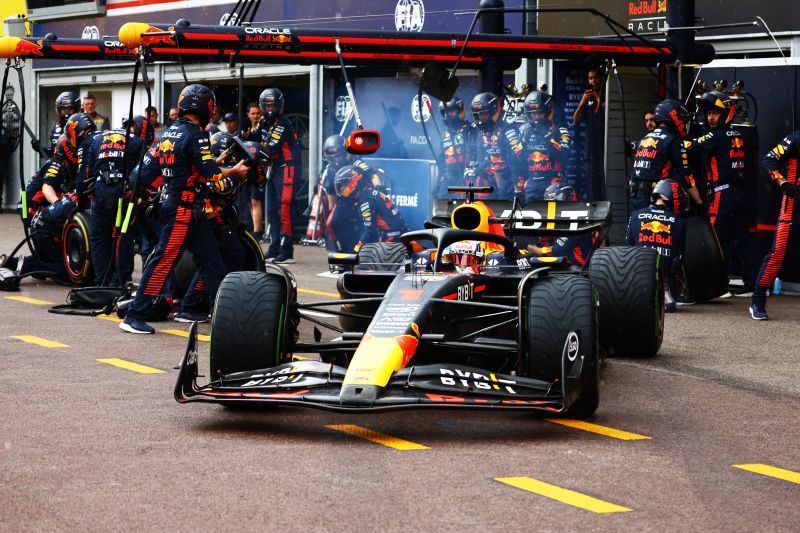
(558, 307)
(248, 328)
(630, 284)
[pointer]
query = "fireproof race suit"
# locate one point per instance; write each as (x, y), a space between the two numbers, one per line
(660, 155)
(499, 152)
(382, 220)
(663, 231)
(546, 149)
(454, 157)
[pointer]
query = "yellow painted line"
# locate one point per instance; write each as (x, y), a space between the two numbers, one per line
(112, 318)
(570, 497)
(772, 471)
(27, 300)
(185, 334)
(129, 365)
(600, 430)
(319, 293)
(40, 341)
(380, 438)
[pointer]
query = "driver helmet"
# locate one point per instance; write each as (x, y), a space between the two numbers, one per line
(560, 193)
(349, 180)
(485, 110)
(674, 115)
(452, 112)
(539, 108)
(719, 102)
(465, 256)
(672, 193)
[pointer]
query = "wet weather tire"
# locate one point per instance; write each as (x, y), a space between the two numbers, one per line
(557, 307)
(248, 324)
(384, 256)
(630, 285)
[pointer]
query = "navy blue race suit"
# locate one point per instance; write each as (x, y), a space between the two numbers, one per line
(55, 133)
(344, 221)
(723, 163)
(660, 155)
(280, 142)
(104, 163)
(781, 165)
(499, 152)
(454, 158)
(382, 220)
(663, 231)
(188, 169)
(545, 149)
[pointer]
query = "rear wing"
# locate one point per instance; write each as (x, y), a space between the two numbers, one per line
(537, 219)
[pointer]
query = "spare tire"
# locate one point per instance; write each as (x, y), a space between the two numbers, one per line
(560, 307)
(703, 262)
(76, 250)
(383, 256)
(249, 323)
(630, 284)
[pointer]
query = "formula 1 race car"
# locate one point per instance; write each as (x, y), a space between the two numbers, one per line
(468, 321)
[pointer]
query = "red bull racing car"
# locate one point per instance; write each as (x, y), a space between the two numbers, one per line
(468, 321)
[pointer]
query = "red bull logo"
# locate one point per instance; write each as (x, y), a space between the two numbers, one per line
(158, 39)
(281, 39)
(648, 142)
(538, 157)
(655, 227)
(737, 142)
(27, 48)
(645, 7)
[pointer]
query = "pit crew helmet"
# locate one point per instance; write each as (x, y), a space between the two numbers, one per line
(672, 193)
(539, 108)
(271, 102)
(674, 115)
(719, 102)
(485, 110)
(465, 256)
(452, 112)
(67, 103)
(138, 126)
(560, 193)
(78, 128)
(333, 151)
(349, 180)
(199, 100)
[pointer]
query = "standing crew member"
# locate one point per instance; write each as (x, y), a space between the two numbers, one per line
(499, 149)
(723, 150)
(90, 108)
(188, 169)
(545, 147)
(781, 164)
(67, 104)
(281, 145)
(662, 155)
(454, 144)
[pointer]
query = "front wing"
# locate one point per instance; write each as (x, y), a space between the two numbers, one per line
(317, 385)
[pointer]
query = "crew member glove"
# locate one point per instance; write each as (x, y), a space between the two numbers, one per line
(790, 189)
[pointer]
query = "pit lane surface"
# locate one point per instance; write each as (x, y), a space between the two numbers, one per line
(91, 438)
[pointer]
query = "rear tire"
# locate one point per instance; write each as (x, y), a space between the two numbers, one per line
(382, 256)
(703, 263)
(249, 323)
(76, 251)
(557, 307)
(630, 285)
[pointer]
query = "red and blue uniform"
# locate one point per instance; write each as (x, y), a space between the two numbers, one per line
(660, 155)
(382, 220)
(546, 149)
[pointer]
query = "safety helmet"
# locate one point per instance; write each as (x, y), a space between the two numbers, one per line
(138, 127)
(66, 150)
(560, 193)
(333, 150)
(485, 109)
(382, 181)
(466, 256)
(452, 112)
(67, 103)
(220, 142)
(349, 180)
(672, 193)
(271, 102)
(538, 107)
(199, 100)
(719, 102)
(674, 115)
(78, 128)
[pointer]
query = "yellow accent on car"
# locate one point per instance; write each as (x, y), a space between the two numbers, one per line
(374, 362)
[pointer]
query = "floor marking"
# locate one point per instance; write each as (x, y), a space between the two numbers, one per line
(185, 334)
(112, 318)
(129, 365)
(600, 430)
(40, 341)
(27, 300)
(380, 438)
(772, 471)
(570, 497)
(332, 275)
(319, 293)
